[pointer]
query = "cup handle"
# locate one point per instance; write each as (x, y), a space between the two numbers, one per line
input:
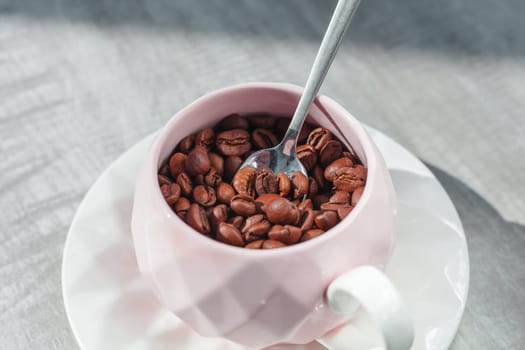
(371, 288)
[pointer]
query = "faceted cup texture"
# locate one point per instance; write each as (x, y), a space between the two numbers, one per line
(258, 298)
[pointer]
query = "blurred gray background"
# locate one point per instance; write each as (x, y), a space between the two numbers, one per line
(81, 81)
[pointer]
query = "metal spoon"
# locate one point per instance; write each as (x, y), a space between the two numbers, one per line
(283, 157)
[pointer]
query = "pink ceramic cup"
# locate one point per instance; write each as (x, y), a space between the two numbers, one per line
(260, 298)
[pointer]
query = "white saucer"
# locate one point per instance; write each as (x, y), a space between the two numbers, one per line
(109, 305)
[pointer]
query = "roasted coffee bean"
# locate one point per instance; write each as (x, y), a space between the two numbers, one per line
(244, 181)
(341, 197)
(165, 170)
(217, 162)
(351, 156)
(331, 151)
(300, 185)
(204, 195)
(332, 206)
(307, 219)
(181, 207)
(197, 219)
(282, 211)
(255, 244)
(264, 138)
(184, 181)
(233, 142)
(176, 164)
(287, 234)
(332, 168)
(225, 193)
(231, 165)
(343, 211)
(356, 196)
(233, 121)
(284, 184)
(319, 200)
(266, 182)
(306, 204)
(263, 200)
(205, 138)
(318, 175)
(272, 244)
(186, 144)
(350, 178)
(308, 235)
(326, 220)
(197, 162)
(313, 188)
(255, 227)
(237, 221)
(198, 180)
(229, 234)
(218, 214)
(262, 121)
(319, 137)
(171, 193)
(163, 180)
(307, 155)
(243, 205)
(212, 178)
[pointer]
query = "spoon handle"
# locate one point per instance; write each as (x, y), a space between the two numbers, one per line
(343, 13)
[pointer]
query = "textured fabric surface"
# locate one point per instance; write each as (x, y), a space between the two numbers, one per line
(81, 81)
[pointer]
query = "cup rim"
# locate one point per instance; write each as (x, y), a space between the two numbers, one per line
(153, 161)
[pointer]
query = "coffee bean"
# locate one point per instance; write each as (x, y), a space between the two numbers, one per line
(197, 162)
(284, 184)
(306, 204)
(326, 220)
(332, 206)
(332, 168)
(186, 144)
(264, 138)
(244, 181)
(163, 180)
(231, 165)
(308, 235)
(319, 200)
(233, 121)
(243, 205)
(331, 151)
(171, 193)
(272, 244)
(197, 219)
(263, 200)
(351, 156)
(350, 178)
(286, 234)
(177, 164)
(164, 170)
(225, 193)
(218, 214)
(205, 138)
(342, 197)
(343, 211)
(319, 137)
(282, 211)
(229, 234)
(236, 221)
(184, 181)
(313, 188)
(307, 155)
(233, 142)
(262, 121)
(356, 196)
(181, 207)
(255, 227)
(212, 178)
(307, 219)
(204, 195)
(300, 185)
(255, 244)
(217, 162)
(318, 175)
(266, 182)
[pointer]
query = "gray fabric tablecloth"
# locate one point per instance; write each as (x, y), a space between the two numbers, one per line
(81, 81)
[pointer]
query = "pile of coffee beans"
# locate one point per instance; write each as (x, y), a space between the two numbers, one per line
(258, 209)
